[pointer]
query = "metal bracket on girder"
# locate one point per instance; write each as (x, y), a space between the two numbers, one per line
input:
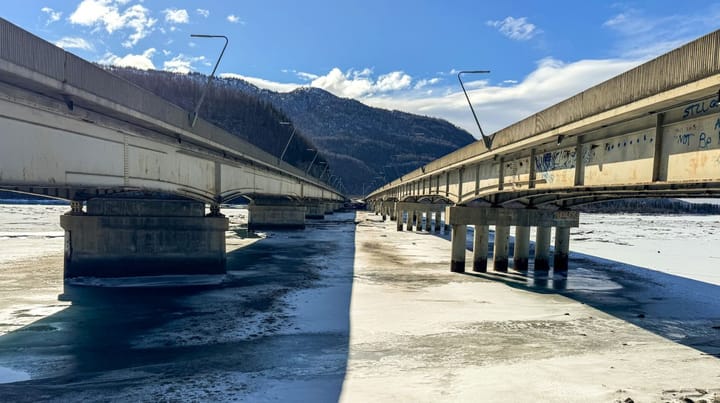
(486, 139)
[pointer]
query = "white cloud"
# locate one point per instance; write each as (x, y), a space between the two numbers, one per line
(166, 52)
(74, 43)
(344, 85)
(425, 82)
(175, 16)
(181, 63)
(397, 80)
(498, 106)
(203, 12)
(358, 83)
(515, 28)
(53, 16)
(262, 83)
(142, 61)
(645, 36)
(106, 14)
(235, 19)
(307, 76)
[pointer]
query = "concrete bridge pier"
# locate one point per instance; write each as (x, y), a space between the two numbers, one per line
(521, 251)
(277, 214)
(330, 209)
(393, 211)
(458, 239)
(400, 220)
(480, 248)
(503, 219)
(142, 237)
(562, 249)
(500, 248)
(438, 221)
(428, 220)
(542, 248)
(410, 219)
(315, 211)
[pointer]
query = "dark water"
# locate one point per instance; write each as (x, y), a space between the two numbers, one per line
(237, 340)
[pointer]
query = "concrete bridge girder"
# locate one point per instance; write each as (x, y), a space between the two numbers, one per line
(666, 149)
(74, 131)
(116, 160)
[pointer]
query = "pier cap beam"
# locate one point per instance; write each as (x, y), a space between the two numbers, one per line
(511, 217)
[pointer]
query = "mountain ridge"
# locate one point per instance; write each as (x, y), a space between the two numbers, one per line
(364, 146)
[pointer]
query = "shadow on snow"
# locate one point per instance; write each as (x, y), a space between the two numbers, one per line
(111, 340)
(680, 309)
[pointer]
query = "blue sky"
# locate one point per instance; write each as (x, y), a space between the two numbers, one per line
(398, 54)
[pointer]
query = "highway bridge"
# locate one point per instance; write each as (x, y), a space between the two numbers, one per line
(653, 131)
(139, 176)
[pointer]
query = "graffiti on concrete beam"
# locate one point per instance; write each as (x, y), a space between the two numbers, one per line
(558, 160)
(700, 108)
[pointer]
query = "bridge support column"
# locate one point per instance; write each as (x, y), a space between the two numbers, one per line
(400, 219)
(384, 210)
(140, 237)
(458, 240)
(521, 251)
(438, 221)
(428, 219)
(393, 212)
(542, 249)
(329, 210)
(480, 248)
(500, 248)
(562, 248)
(504, 218)
(275, 214)
(410, 219)
(315, 211)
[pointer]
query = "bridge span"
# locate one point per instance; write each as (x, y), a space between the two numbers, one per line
(137, 173)
(653, 131)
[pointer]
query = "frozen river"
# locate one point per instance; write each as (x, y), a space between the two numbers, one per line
(351, 310)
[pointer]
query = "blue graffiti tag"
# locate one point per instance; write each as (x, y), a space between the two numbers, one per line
(705, 140)
(684, 138)
(699, 108)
